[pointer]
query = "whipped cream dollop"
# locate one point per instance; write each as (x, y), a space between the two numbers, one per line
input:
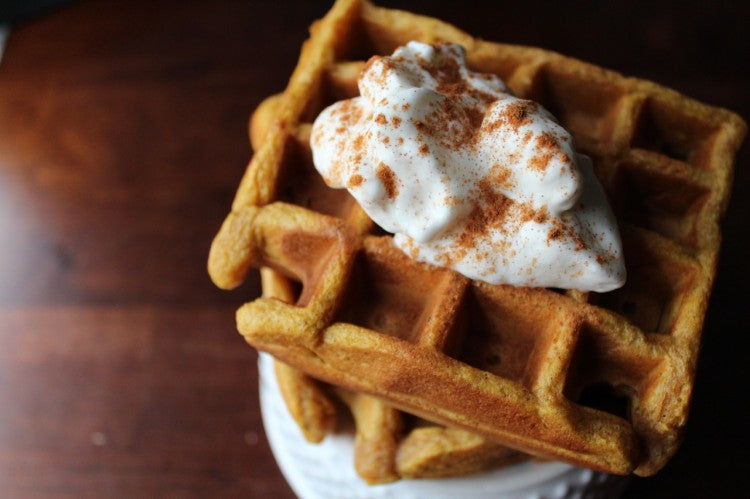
(468, 176)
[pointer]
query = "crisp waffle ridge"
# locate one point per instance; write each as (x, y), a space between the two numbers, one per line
(599, 380)
(388, 444)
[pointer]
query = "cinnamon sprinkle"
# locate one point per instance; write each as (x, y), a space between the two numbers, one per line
(493, 125)
(491, 212)
(359, 143)
(355, 181)
(527, 212)
(560, 229)
(475, 116)
(547, 147)
(351, 113)
(545, 140)
(501, 175)
(540, 161)
(519, 113)
(388, 179)
(541, 215)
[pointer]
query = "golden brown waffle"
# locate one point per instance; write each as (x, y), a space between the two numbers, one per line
(385, 450)
(599, 380)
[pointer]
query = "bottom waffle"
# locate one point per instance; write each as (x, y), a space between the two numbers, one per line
(325, 471)
(389, 444)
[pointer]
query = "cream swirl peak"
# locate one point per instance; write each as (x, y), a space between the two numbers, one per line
(468, 176)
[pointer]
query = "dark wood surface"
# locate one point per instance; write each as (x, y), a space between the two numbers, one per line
(122, 140)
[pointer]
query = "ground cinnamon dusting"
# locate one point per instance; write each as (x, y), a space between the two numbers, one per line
(540, 161)
(448, 77)
(502, 176)
(492, 211)
(545, 140)
(355, 181)
(450, 81)
(580, 243)
(350, 113)
(388, 179)
(475, 116)
(527, 212)
(519, 113)
(492, 126)
(359, 143)
(547, 148)
(317, 137)
(385, 67)
(560, 230)
(453, 125)
(337, 167)
(541, 215)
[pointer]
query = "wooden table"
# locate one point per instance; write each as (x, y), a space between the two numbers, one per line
(122, 139)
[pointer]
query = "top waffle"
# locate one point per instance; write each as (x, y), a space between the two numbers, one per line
(600, 380)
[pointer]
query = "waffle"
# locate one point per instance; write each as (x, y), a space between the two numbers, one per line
(384, 449)
(597, 380)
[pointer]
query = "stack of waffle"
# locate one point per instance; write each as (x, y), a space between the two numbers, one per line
(597, 380)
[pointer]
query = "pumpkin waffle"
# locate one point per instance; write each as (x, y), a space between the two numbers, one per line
(385, 449)
(598, 380)
(389, 444)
